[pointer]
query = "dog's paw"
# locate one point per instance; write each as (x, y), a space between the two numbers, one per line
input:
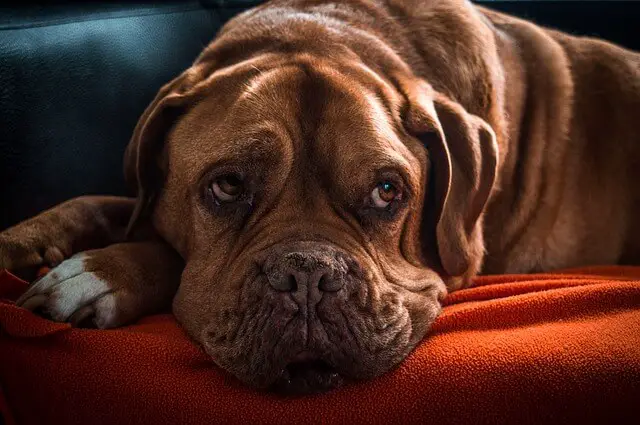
(76, 293)
(76, 225)
(46, 239)
(29, 247)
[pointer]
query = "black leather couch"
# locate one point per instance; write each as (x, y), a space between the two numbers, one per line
(75, 76)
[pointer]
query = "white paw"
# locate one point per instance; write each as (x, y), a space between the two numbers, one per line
(71, 293)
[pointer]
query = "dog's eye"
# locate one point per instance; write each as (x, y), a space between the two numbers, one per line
(227, 188)
(384, 194)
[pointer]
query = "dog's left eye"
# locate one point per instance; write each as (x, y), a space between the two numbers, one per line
(384, 194)
(227, 188)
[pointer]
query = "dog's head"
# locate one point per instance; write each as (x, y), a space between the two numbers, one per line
(321, 211)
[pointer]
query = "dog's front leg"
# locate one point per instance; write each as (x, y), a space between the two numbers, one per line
(83, 223)
(111, 286)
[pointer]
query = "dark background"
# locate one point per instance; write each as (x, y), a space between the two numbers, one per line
(75, 77)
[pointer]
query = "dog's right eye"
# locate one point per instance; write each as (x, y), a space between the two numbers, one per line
(384, 194)
(227, 188)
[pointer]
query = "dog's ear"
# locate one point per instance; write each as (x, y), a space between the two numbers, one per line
(464, 156)
(143, 168)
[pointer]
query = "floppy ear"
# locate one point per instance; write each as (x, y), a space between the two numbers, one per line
(142, 166)
(464, 157)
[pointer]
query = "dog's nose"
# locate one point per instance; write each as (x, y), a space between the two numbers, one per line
(293, 280)
(297, 270)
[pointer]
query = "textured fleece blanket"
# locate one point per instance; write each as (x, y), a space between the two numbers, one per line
(526, 349)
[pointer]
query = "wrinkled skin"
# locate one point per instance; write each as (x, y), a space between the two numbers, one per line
(308, 187)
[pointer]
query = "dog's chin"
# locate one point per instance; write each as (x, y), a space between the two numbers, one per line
(306, 374)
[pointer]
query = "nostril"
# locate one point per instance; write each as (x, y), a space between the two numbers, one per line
(327, 284)
(322, 283)
(292, 283)
(283, 282)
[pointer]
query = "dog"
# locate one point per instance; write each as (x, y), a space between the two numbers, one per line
(310, 189)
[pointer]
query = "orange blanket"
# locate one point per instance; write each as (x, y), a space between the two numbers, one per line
(555, 348)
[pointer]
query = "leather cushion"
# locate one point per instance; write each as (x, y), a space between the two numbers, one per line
(73, 83)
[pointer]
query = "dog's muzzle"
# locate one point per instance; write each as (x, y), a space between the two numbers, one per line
(307, 272)
(310, 317)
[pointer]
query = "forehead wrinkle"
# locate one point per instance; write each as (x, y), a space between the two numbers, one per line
(387, 135)
(214, 145)
(372, 124)
(357, 94)
(256, 89)
(229, 75)
(250, 124)
(250, 127)
(360, 76)
(271, 96)
(210, 113)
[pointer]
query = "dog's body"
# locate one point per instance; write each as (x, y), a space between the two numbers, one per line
(324, 230)
(567, 195)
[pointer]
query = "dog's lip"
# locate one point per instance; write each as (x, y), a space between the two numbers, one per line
(306, 373)
(304, 356)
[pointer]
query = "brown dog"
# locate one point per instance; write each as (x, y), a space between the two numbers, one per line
(327, 171)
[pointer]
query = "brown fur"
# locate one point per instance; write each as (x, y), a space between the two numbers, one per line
(531, 159)
(76, 225)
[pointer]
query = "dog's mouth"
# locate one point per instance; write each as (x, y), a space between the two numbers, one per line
(307, 375)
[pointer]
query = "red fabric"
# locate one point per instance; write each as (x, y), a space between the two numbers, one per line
(553, 348)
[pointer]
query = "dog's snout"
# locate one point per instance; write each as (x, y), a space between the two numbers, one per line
(320, 279)
(310, 269)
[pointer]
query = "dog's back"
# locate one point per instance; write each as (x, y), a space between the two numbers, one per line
(572, 103)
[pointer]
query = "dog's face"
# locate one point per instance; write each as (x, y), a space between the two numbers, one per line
(297, 201)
